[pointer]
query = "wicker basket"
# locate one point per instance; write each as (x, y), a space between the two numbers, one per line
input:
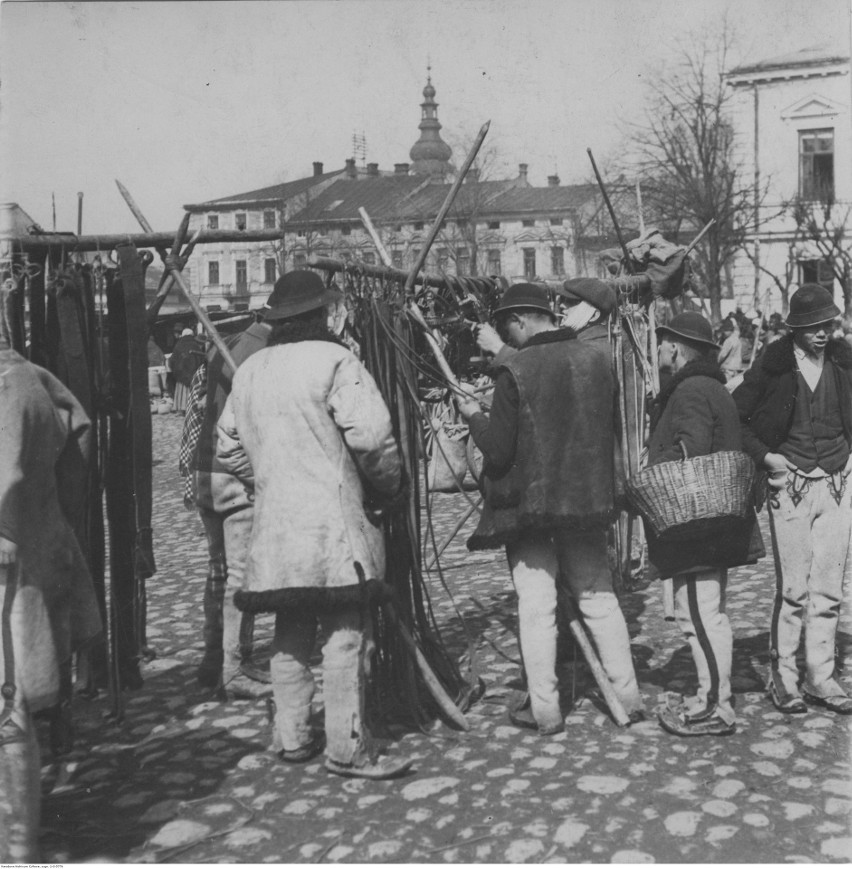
(694, 497)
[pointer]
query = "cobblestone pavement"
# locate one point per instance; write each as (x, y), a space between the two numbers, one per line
(186, 778)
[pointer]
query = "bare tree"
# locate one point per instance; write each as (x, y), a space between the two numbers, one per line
(823, 224)
(686, 157)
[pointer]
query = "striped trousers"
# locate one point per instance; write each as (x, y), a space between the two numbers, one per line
(699, 599)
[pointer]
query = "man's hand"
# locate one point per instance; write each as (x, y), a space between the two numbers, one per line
(8, 551)
(488, 339)
(468, 406)
(777, 466)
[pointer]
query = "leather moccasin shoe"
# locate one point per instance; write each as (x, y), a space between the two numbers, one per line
(789, 704)
(676, 722)
(523, 717)
(304, 753)
(841, 704)
(383, 768)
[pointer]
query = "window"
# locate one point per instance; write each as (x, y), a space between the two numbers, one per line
(369, 258)
(528, 222)
(816, 164)
(494, 224)
(418, 226)
(301, 233)
(396, 259)
(556, 221)
(443, 259)
(461, 224)
(212, 221)
(242, 275)
(817, 271)
(557, 260)
(398, 228)
(346, 229)
(269, 270)
(269, 219)
(240, 221)
(299, 260)
(213, 272)
(529, 262)
(462, 261)
(494, 266)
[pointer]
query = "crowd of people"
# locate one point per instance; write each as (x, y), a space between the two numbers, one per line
(291, 463)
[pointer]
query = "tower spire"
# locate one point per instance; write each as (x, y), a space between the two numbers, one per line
(430, 154)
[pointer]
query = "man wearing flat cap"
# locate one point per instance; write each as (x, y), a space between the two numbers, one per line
(795, 406)
(694, 415)
(549, 494)
(586, 304)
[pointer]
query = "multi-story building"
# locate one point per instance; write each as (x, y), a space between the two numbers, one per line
(496, 227)
(793, 128)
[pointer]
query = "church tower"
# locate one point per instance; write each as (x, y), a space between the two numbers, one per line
(430, 154)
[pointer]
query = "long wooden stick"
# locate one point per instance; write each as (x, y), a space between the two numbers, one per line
(448, 202)
(368, 225)
(615, 706)
(434, 685)
(173, 267)
(698, 237)
(456, 528)
(628, 264)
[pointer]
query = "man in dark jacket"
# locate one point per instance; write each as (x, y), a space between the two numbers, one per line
(696, 416)
(795, 406)
(549, 494)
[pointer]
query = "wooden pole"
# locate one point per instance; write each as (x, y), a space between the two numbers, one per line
(698, 237)
(448, 202)
(639, 208)
(456, 528)
(92, 243)
(173, 266)
(368, 225)
(627, 262)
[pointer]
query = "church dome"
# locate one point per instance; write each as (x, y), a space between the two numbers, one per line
(430, 154)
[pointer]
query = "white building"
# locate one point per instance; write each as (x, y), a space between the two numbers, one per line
(793, 128)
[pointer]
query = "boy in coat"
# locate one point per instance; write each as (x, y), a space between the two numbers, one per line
(795, 406)
(696, 416)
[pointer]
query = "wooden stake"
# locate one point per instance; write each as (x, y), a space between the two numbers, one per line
(368, 225)
(627, 262)
(698, 237)
(173, 268)
(448, 202)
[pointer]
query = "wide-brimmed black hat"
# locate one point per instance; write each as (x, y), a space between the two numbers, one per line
(297, 293)
(809, 305)
(591, 290)
(690, 326)
(524, 296)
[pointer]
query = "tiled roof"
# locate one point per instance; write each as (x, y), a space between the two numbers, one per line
(407, 198)
(814, 55)
(276, 192)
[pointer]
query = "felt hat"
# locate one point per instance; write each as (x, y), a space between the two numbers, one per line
(690, 326)
(809, 305)
(296, 293)
(524, 296)
(597, 293)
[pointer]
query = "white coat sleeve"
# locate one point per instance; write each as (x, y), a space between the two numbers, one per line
(229, 448)
(361, 415)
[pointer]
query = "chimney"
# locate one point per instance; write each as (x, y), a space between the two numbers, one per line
(373, 169)
(522, 172)
(317, 167)
(400, 168)
(351, 171)
(552, 180)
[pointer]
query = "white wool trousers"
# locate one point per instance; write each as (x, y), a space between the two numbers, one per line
(578, 559)
(699, 599)
(810, 540)
(345, 661)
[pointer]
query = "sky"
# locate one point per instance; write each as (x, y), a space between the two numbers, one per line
(190, 100)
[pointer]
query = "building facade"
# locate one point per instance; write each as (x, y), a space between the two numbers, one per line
(793, 128)
(496, 227)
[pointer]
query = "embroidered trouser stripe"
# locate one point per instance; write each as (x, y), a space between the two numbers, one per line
(707, 649)
(779, 594)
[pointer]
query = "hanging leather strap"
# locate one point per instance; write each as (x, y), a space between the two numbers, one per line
(8, 689)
